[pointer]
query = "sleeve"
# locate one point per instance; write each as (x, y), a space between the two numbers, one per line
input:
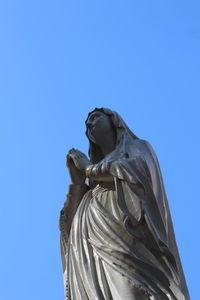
(100, 172)
(74, 196)
(121, 168)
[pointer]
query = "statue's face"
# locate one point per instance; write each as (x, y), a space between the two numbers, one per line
(98, 125)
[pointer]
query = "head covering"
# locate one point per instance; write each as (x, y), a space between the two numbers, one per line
(124, 135)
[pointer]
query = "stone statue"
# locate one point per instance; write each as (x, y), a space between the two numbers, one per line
(117, 237)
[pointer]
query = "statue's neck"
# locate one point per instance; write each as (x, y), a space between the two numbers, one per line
(107, 145)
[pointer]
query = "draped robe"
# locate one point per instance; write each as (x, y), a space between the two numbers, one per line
(117, 238)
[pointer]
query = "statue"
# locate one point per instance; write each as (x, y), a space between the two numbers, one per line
(117, 237)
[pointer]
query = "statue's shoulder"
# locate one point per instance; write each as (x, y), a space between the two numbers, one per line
(142, 144)
(145, 149)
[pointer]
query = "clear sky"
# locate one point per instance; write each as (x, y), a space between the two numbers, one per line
(59, 60)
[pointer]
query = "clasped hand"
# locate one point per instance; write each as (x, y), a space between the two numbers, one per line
(77, 162)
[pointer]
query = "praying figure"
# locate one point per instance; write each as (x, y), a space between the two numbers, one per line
(117, 236)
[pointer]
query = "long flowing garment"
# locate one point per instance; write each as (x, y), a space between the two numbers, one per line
(103, 261)
(117, 239)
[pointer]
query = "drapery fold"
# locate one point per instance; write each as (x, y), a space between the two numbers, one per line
(117, 237)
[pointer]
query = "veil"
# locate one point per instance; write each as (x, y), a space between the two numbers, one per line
(133, 163)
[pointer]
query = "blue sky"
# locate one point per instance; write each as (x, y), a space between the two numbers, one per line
(59, 60)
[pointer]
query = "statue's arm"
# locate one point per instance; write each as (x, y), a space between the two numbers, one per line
(106, 171)
(99, 172)
(73, 199)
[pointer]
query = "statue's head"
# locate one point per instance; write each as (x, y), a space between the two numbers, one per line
(99, 123)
